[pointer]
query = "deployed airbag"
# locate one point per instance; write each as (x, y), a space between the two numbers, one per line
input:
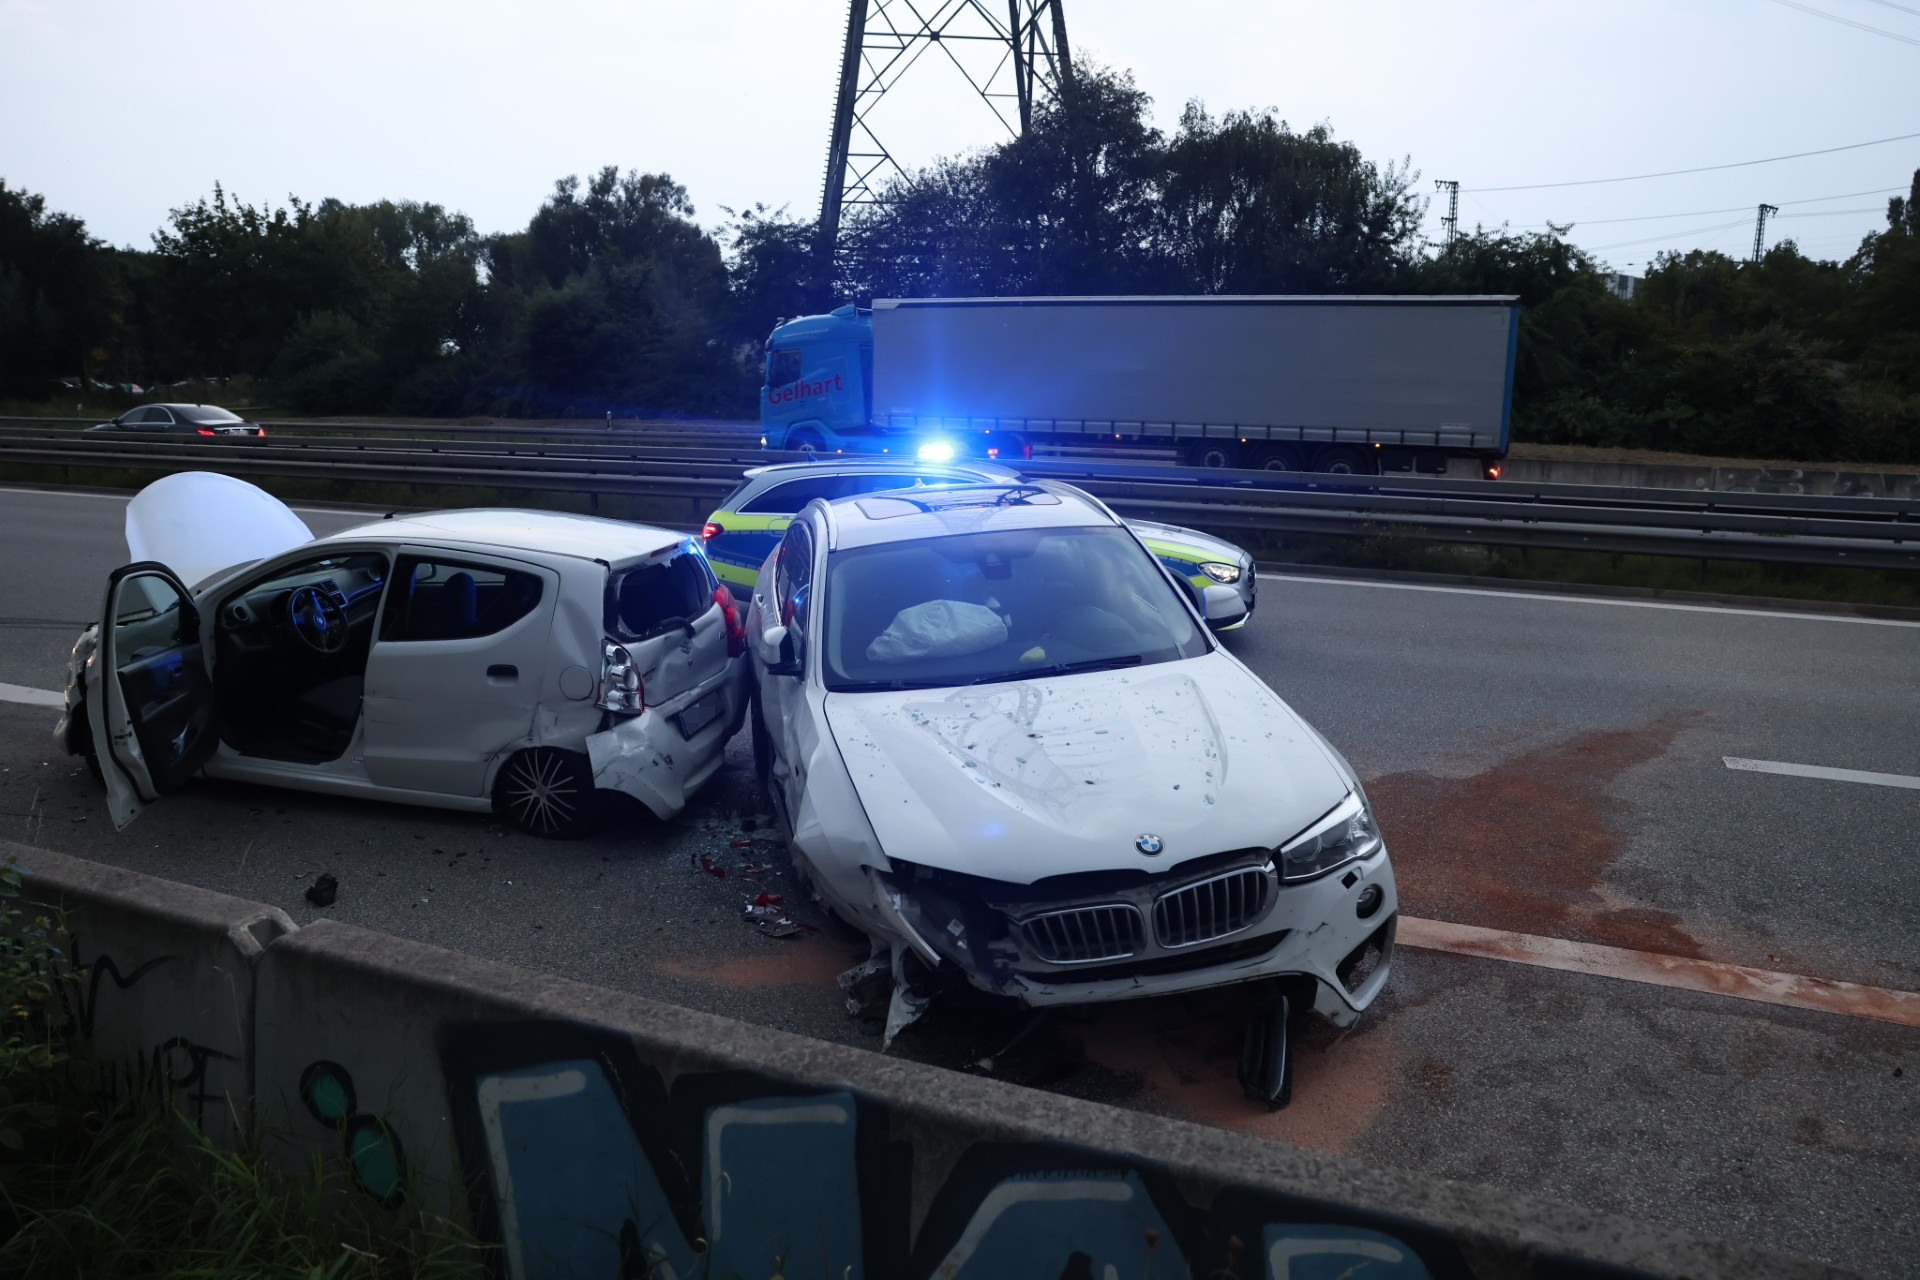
(938, 629)
(199, 522)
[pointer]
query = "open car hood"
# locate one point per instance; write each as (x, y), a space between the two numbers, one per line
(1028, 779)
(199, 522)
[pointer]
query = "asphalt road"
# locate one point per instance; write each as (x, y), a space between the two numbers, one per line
(1550, 766)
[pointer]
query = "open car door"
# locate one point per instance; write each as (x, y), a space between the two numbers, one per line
(149, 698)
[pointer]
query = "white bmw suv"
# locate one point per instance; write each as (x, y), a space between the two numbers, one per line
(1004, 741)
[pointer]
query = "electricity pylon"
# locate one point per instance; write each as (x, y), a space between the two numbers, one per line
(1452, 221)
(1760, 230)
(1011, 63)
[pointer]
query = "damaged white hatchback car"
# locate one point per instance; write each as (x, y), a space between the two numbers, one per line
(483, 659)
(1003, 741)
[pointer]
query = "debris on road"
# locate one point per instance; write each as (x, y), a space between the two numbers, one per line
(711, 867)
(322, 891)
(767, 912)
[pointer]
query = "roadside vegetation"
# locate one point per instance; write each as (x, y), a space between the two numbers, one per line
(96, 1181)
(614, 298)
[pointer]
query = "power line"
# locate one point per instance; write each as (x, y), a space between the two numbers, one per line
(1671, 236)
(1902, 8)
(1849, 22)
(1709, 168)
(1702, 213)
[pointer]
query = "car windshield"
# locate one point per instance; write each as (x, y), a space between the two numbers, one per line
(205, 413)
(1008, 605)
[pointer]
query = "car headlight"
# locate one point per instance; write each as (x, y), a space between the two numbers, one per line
(1221, 572)
(1342, 836)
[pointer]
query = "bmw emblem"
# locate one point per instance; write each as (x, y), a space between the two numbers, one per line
(1149, 845)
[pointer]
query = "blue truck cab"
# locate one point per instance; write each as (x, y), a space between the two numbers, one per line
(818, 392)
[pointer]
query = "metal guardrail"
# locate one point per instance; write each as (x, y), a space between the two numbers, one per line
(1784, 528)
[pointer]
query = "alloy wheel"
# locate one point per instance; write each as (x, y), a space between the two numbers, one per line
(545, 792)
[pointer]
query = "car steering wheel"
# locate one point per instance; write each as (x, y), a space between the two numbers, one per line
(317, 619)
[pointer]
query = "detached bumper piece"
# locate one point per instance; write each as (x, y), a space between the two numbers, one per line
(1266, 1058)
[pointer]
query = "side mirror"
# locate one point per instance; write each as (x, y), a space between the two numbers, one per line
(1221, 606)
(776, 649)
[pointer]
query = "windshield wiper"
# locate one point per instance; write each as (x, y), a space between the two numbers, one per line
(1062, 668)
(992, 677)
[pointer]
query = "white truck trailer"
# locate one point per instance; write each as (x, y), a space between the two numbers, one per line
(1341, 384)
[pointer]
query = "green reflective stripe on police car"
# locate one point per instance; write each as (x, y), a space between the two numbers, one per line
(1180, 559)
(733, 574)
(751, 521)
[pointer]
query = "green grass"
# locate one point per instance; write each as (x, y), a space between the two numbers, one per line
(134, 1190)
(98, 1185)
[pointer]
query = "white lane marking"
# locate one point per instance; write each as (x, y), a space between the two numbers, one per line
(1824, 771)
(32, 697)
(369, 513)
(1578, 599)
(1822, 995)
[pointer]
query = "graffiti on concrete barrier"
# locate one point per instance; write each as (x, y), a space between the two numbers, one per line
(583, 1160)
(368, 1145)
(80, 1012)
(176, 1067)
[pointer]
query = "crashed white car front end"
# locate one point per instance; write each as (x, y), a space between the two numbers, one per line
(1114, 835)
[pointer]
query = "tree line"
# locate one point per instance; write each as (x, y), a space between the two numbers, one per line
(613, 298)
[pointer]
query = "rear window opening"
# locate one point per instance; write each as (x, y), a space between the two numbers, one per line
(651, 599)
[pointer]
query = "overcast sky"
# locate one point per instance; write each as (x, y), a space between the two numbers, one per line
(119, 110)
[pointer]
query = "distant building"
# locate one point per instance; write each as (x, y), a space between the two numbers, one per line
(1621, 285)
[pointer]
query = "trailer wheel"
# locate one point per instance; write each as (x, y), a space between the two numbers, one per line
(1341, 461)
(1277, 457)
(1214, 453)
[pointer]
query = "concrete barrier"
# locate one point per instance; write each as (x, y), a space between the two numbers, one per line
(166, 995)
(588, 1132)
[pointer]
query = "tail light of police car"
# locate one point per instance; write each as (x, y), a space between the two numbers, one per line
(710, 531)
(621, 691)
(736, 629)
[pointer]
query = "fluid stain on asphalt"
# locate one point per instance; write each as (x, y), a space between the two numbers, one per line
(1526, 844)
(811, 962)
(1186, 1056)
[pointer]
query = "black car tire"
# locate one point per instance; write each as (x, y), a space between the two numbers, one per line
(547, 792)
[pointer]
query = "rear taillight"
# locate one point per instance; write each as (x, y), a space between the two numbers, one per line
(620, 688)
(736, 630)
(1491, 471)
(711, 530)
(205, 431)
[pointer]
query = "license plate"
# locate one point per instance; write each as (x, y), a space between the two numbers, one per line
(699, 715)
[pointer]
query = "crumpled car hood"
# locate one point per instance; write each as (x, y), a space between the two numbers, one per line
(1037, 778)
(199, 522)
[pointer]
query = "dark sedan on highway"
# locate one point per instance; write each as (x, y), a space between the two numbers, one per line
(182, 420)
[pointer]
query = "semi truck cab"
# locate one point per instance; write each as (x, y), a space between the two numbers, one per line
(818, 393)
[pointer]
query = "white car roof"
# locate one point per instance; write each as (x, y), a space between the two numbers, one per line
(903, 516)
(904, 465)
(552, 532)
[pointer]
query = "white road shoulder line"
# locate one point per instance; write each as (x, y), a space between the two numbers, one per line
(32, 697)
(1579, 599)
(1823, 771)
(1711, 976)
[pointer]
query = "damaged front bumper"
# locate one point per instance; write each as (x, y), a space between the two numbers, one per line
(663, 755)
(1216, 922)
